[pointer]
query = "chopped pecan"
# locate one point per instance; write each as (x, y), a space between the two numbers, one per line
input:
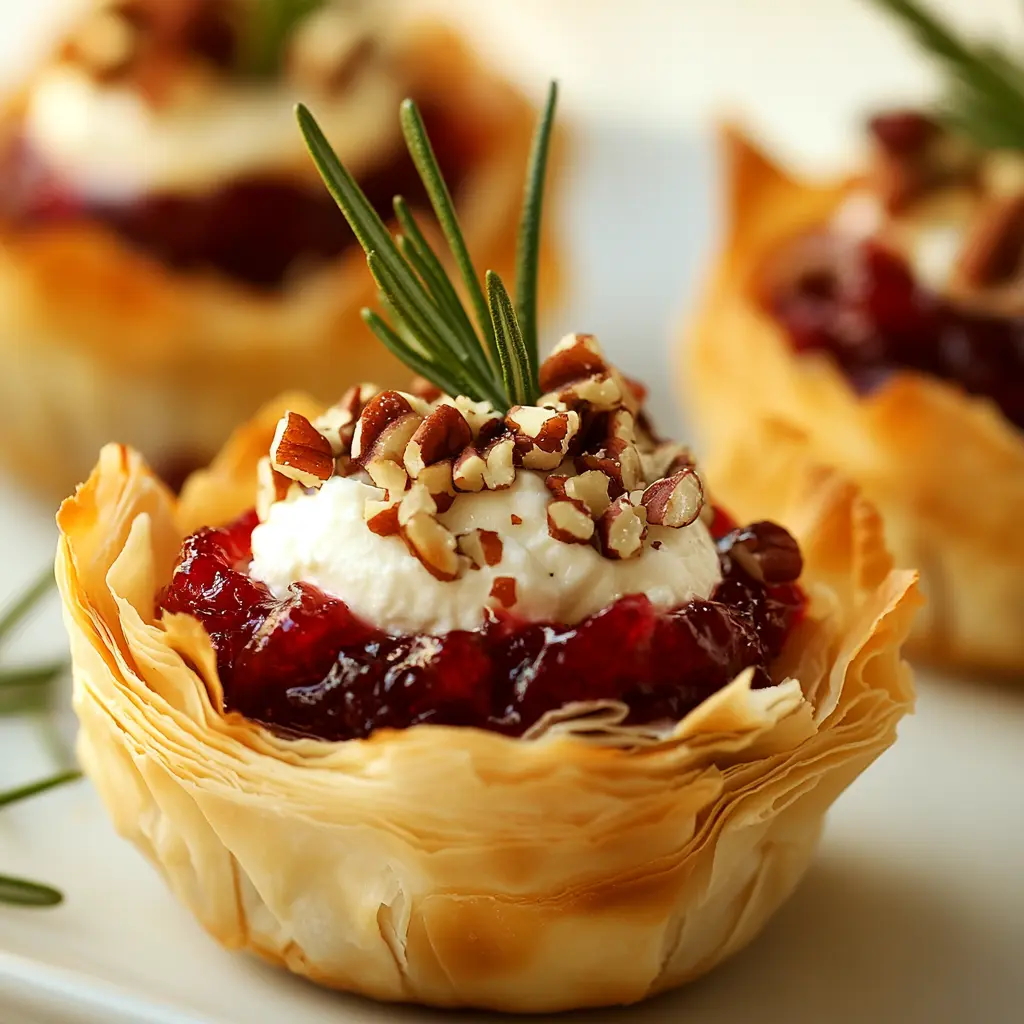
(442, 435)
(388, 475)
(666, 459)
(555, 483)
(766, 552)
(386, 425)
(382, 517)
(622, 529)
(500, 470)
(619, 461)
(483, 419)
(300, 452)
(483, 547)
(593, 488)
(577, 375)
(674, 500)
(469, 471)
(434, 545)
(542, 436)
(416, 501)
(574, 358)
(338, 423)
(503, 590)
(569, 521)
(438, 480)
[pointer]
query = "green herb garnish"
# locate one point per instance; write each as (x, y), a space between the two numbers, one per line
(489, 355)
(21, 690)
(984, 96)
(266, 28)
(21, 891)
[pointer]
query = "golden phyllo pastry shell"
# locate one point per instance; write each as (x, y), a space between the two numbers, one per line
(595, 864)
(945, 469)
(100, 342)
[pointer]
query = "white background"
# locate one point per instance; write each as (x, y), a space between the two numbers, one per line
(915, 909)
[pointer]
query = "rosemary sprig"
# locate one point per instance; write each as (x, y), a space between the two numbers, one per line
(21, 891)
(266, 27)
(22, 605)
(491, 354)
(985, 94)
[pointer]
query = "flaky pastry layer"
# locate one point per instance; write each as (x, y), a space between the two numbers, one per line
(595, 863)
(100, 343)
(945, 469)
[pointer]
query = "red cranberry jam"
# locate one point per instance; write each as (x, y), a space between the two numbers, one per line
(254, 229)
(859, 302)
(305, 665)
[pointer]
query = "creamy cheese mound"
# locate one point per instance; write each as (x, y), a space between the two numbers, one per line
(321, 538)
(113, 144)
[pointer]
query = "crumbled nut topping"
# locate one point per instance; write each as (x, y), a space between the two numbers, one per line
(608, 476)
(622, 529)
(482, 547)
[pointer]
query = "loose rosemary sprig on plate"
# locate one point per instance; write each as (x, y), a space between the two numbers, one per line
(266, 27)
(28, 690)
(984, 98)
(21, 891)
(489, 353)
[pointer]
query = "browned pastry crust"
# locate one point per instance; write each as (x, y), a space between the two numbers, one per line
(595, 863)
(99, 342)
(945, 469)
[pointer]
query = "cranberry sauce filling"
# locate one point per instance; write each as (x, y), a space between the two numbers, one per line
(305, 665)
(860, 302)
(253, 229)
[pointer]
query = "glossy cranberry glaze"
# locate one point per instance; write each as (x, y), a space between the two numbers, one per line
(255, 229)
(860, 303)
(307, 666)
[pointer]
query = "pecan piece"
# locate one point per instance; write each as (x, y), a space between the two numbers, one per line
(674, 500)
(542, 436)
(386, 426)
(622, 529)
(442, 435)
(300, 452)
(382, 517)
(433, 544)
(569, 521)
(338, 423)
(503, 590)
(577, 374)
(439, 481)
(482, 547)
(593, 488)
(766, 552)
(388, 475)
(619, 461)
